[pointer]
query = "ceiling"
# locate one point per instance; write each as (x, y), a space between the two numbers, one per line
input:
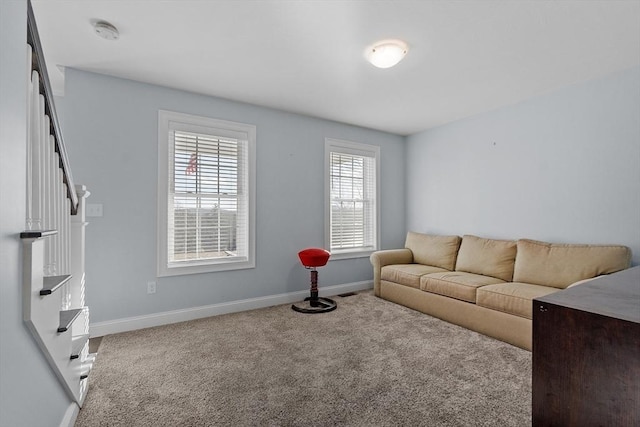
(465, 57)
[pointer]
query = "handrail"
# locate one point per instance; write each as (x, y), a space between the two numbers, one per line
(38, 64)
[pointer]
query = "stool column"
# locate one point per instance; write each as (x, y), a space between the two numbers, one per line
(314, 288)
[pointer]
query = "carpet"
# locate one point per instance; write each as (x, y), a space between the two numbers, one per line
(369, 363)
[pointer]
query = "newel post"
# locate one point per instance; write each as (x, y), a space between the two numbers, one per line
(77, 243)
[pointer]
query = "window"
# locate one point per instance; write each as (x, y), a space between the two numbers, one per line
(351, 198)
(206, 199)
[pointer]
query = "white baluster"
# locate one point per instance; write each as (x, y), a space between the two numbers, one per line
(63, 238)
(65, 289)
(58, 207)
(36, 172)
(47, 174)
(54, 213)
(55, 198)
(29, 223)
(67, 237)
(43, 137)
(60, 242)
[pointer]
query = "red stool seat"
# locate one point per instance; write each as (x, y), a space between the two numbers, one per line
(314, 257)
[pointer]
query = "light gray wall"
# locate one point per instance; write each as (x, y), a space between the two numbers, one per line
(111, 129)
(30, 394)
(564, 167)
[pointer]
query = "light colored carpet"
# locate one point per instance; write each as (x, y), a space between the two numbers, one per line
(368, 363)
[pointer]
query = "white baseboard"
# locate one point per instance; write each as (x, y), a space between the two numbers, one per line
(157, 319)
(70, 415)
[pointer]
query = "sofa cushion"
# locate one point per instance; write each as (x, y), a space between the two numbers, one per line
(438, 251)
(560, 265)
(513, 298)
(456, 284)
(406, 274)
(488, 257)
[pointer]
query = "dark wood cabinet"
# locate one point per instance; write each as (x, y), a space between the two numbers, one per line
(586, 354)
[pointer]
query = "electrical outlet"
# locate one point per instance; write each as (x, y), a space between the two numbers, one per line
(151, 287)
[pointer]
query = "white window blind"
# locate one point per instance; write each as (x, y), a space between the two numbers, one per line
(209, 213)
(352, 176)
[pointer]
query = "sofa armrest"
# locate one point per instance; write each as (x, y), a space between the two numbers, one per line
(387, 257)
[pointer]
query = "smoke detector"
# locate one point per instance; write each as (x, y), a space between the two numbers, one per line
(106, 30)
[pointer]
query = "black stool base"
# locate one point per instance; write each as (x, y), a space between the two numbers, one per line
(316, 305)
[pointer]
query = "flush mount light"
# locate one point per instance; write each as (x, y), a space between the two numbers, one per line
(386, 53)
(106, 30)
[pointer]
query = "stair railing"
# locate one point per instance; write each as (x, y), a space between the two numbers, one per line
(54, 241)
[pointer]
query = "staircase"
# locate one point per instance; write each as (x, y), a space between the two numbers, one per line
(54, 240)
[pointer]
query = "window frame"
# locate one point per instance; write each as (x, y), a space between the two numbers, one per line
(333, 145)
(170, 120)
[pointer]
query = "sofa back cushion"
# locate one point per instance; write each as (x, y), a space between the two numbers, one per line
(560, 265)
(489, 257)
(438, 251)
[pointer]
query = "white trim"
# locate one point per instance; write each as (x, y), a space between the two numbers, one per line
(170, 120)
(340, 255)
(167, 317)
(357, 149)
(70, 415)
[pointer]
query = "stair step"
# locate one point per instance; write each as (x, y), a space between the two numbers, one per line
(87, 365)
(36, 234)
(52, 283)
(77, 344)
(67, 317)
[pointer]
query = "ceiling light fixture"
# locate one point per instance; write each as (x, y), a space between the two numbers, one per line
(386, 53)
(106, 30)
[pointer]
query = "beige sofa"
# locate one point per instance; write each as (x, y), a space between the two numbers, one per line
(487, 285)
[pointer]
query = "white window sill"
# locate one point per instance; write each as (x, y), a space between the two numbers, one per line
(205, 268)
(336, 256)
